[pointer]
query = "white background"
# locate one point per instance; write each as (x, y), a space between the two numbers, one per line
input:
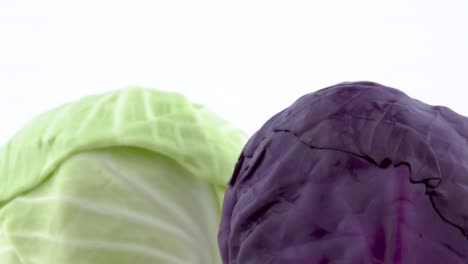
(245, 59)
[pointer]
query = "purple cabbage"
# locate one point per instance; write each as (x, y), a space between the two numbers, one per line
(353, 173)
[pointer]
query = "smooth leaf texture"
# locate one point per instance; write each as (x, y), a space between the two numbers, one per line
(133, 176)
(353, 173)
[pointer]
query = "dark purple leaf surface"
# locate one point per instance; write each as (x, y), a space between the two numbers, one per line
(354, 173)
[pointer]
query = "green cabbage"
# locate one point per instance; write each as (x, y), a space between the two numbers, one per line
(132, 176)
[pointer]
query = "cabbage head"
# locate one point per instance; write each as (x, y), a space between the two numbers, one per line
(356, 173)
(130, 176)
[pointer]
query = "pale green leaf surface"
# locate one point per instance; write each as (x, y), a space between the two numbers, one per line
(133, 176)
